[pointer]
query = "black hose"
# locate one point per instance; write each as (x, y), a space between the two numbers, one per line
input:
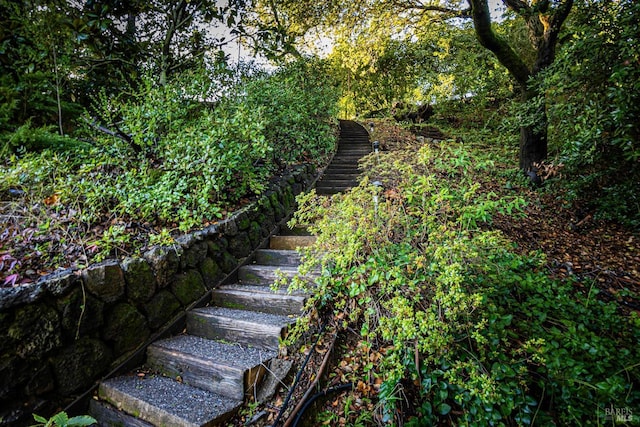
(295, 381)
(341, 387)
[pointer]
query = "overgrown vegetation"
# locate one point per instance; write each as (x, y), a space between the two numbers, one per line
(165, 157)
(454, 325)
(595, 87)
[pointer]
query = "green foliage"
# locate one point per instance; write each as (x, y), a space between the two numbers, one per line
(298, 102)
(594, 87)
(26, 138)
(35, 65)
(174, 155)
(479, 334)
(112, 241)
(61, 419)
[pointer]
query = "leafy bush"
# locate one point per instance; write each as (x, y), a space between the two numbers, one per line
(172, 156)
(472, 332)
(26, 138)
(594, 85)
(299, 104)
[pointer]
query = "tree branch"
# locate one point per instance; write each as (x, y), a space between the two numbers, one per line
(500, 48)
(117, 133)
(418, 5)
(549, 38)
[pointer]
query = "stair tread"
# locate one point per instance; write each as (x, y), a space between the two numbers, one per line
(260, 298)
(263, 267)
(286, 270)
(231, 355)
(282, 257)
(253, 288)
(290, 242)
(163, 401)
(252, 328)
(245, 315)
(225, 368)
(338, 180)
(281, 251)
(259, 274)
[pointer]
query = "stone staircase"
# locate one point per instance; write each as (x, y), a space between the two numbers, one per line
(342, 173)
(203, 376)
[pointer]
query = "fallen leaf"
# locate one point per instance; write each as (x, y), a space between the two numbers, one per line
(51, 200)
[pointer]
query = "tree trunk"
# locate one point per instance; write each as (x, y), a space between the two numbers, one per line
(544, 26)
(533, 137)
(533, 146)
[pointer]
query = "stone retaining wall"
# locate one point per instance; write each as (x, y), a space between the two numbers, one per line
(61, 334)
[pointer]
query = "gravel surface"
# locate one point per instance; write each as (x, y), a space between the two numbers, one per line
(247, 316)
(189, 403)
(261, 289)
(236, 354)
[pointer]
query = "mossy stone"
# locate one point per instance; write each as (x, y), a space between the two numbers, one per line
(80, 313)
(243, 221)
(162, 307)
(255, 234)
(105, 281)
(61, 282)
(227, 262)
(141, 283)
(164, 262)
(126, 327)
(77, 366)
(35, 330)
(188, 287)
(194, 255)
(211, 272)
(279, 211)
(240, 245)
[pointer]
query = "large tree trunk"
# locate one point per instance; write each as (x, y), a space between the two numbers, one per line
(544, 26)
(533, 146)
(533, 137)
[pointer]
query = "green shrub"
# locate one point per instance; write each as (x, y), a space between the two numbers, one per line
(173, 156)
(61, 419)
(26, 138)
(299, 104)
(473, 332)
(594, 85)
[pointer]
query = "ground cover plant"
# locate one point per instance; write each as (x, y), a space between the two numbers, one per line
(449, 316)
(157, 160)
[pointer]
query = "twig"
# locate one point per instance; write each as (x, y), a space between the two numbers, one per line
(300, 404)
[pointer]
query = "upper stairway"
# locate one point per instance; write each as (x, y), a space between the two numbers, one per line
(342, 173)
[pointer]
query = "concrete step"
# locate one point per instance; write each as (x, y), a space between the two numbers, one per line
(259, 298)
(328, 191)
(257, 274)
(230, 370)
(346, 159)
(261, 330)
(347, 172)
(161, 401)
(109, 416)
(354, 139)
(295, 231)
(280, 257)
(291, 242)
(337, 180)
(345, 164)
(363, 149)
